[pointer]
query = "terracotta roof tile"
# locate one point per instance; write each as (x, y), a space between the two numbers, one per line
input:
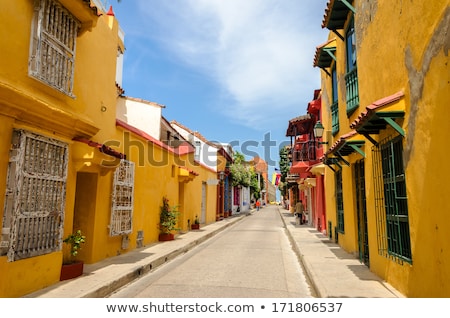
(372, 108)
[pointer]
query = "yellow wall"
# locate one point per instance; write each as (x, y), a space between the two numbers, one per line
(156, 176)
(348, 239)
(416, 62)
(29, 104)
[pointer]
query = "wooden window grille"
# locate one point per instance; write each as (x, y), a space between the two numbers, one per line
(35, 196)
(53, 42)
(393, 235)
(122, 199)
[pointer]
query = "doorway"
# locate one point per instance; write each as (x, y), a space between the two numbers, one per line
(84, 210)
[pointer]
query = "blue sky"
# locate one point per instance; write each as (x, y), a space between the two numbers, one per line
(234, 70)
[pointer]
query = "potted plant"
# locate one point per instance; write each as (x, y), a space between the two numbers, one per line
(72, 268)
(168, 218)
(196, 225)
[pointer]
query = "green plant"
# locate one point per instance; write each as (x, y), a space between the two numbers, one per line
(74, 240)
(196, 221)
(168, 217)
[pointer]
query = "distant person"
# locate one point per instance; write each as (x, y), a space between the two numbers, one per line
(258, 204)
(299, 211)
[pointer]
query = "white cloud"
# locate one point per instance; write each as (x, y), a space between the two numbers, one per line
(260, 52)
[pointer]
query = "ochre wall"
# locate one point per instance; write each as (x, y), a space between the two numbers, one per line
(402, 46)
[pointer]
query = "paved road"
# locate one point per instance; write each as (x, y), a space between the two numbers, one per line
(250, 259)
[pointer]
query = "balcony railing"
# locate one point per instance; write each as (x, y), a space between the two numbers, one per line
(334, 118)
(351, 84)
(304, 151)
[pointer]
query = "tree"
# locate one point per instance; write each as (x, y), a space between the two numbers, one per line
(255, 187)
(284, 169)
(240, 173)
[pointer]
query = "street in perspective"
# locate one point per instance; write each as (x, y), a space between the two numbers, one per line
(253, 258)
(268, 151)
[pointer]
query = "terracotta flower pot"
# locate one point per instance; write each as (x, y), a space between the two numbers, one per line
(72, 270)
(195, 226)
(166, 237)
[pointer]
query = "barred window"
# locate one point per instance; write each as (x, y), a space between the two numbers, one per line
(35, 196)
(392, 205)
(122, 199)
(339, 202)
(52, 48)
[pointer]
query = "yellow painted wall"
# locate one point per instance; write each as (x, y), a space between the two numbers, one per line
(348, 239)
(418, 63)
(411, 56)
(29, 104)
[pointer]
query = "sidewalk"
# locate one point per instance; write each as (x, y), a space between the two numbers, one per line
(332, 271)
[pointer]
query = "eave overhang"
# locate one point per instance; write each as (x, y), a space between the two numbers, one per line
(325, 55)
(301, 125)
(379, 115)
(85, 11)
(346, 145)
(299, 167)
(185, 174)
(336, 14)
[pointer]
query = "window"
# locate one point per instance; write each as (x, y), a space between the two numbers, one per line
(390, 189)
(35, 196)
(52, 50)
(334, 84)
(122, 199)
(361, 210)
(334, 105)
(351, 78)
(351, 47)
(339, 202)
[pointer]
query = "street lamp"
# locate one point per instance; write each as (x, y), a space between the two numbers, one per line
(318, 132)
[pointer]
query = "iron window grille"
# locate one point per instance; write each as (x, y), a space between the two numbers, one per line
(361, 209)
(122, 199)
(391, 200)
(53, 42)
(339, 202)
(35, 196)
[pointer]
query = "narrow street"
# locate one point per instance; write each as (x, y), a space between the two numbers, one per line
(253, 258)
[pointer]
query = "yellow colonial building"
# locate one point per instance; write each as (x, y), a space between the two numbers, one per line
(385, 94)
(72, 156)
(53, 88)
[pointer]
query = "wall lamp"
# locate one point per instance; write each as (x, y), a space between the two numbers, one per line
(318, 132)
(222, 175)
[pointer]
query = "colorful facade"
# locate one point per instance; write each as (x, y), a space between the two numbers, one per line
(77, 153)
(215, 157)
(49, 96)
(385, 83)
(261, 170)
(305, 178)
